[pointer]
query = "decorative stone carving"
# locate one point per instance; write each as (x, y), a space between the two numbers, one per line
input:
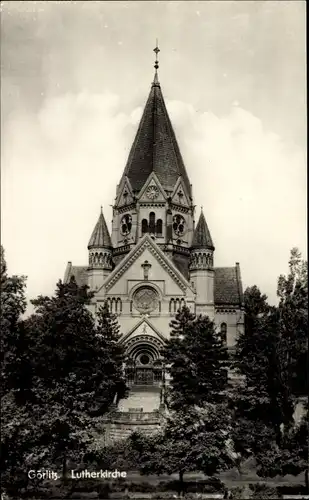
(146, 299)
(126, 224)
(152, 192)
(146, 266)
(179, 224)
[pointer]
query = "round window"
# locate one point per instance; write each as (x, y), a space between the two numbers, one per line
(146, 299)
(144, 359)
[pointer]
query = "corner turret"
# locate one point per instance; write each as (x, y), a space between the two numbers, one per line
(100, 254)
(201, 268)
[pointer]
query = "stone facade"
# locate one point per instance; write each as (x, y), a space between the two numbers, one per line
(156, 260)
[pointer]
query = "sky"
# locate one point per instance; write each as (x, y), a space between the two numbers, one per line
(75, 77)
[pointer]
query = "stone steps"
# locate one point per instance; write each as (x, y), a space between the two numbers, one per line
(147, 400)
(118, 431)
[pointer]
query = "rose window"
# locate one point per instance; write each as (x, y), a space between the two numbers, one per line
(146, 299)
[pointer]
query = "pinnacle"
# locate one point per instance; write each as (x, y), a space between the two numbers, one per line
(100, 236)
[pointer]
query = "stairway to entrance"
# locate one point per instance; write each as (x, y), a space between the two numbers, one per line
(144, 398)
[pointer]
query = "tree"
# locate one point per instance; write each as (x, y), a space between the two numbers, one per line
(268, 356)
(108, 331)
(13, 306)
(72, 370)
(263, 404)
(196, 361)
(195, 433)
(291, 457)
(191, 440)
(293, 307)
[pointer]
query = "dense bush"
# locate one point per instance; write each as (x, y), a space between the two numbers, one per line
(262, 490)
(295, 489)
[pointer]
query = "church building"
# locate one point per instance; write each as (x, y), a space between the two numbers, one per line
(158, 257)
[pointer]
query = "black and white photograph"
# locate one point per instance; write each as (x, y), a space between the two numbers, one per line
(154, 276)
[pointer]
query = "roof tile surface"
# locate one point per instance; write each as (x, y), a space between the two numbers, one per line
(227, 286)
(100, 236)
(155, 148)
(201, 236)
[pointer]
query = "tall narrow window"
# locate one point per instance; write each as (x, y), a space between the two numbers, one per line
(144, 226)
(223, 332)
(152, 222)
(159, 227)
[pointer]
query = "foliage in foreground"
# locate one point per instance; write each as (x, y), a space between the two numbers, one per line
(270, 356)
(63, 374)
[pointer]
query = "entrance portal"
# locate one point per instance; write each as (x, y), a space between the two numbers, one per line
(144, 366)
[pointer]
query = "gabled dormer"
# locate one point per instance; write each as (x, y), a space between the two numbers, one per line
(125, 195)
(180, 195)
(152, 192)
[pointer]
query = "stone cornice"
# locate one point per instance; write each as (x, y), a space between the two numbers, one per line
(227, 309)
(180, 208)
(126, 208)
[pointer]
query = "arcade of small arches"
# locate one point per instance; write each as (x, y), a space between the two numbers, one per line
(100, 259)
(114, 304)
(176, 304)
(198, 260)
(152, 226)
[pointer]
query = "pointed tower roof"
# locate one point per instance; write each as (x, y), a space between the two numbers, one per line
(155, 147)
(100, 236)
(201, 236)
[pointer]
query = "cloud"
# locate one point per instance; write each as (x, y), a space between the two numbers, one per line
(60, 164)
(252, 186)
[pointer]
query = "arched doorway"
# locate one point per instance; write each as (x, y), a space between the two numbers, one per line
(144, 366)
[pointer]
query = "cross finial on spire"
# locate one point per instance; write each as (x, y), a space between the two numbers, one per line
(156, 65)
(101, 209)
(156, 50)
(201, 208)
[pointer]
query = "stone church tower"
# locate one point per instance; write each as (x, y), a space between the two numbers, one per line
(155, 261)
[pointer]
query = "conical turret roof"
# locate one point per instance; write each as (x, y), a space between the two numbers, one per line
(100, 236)
(201, 236)
(155, 147)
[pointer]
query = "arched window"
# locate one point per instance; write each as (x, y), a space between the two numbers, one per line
(159, 227)
(144, 226)
(223, 332)
(171, 308)
(152, 222)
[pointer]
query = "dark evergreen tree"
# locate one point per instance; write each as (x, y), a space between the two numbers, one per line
(195, 433)
(107, 328)
(196, 361)
(72, 370)
(262, 402)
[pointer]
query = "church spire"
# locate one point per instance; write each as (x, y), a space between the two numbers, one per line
(201, 236)
(100, 237)
(155, 148)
